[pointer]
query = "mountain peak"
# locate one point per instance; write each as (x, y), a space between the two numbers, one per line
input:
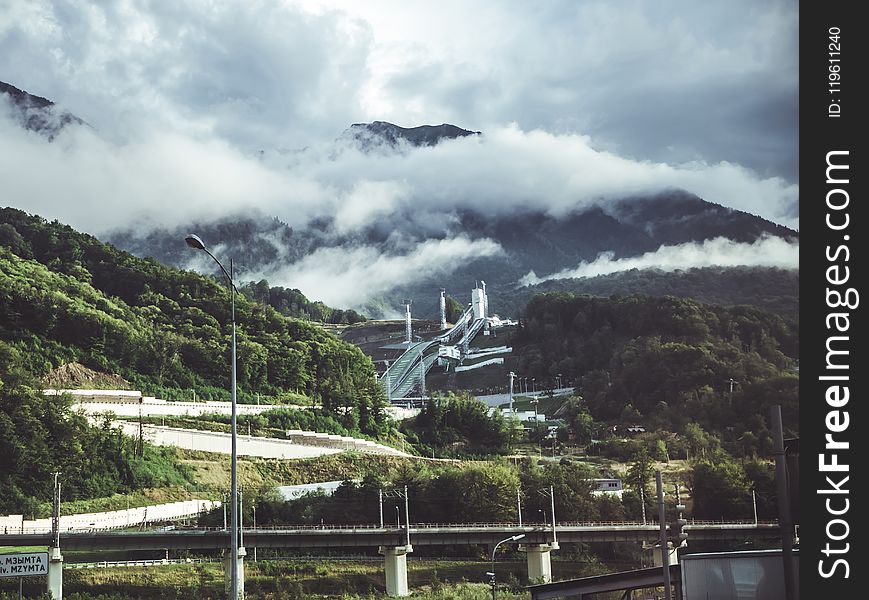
(380, 132)
(37, 113)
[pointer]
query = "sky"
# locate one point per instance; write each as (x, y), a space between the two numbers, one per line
(208, 107)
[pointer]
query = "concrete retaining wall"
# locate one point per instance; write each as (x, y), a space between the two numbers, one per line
(158, 513)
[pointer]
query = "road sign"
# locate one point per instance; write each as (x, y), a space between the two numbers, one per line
(24, 564)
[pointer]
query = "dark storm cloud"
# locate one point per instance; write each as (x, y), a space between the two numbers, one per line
(663, 81)
(671, 81)
(580, 103)
(260, 75)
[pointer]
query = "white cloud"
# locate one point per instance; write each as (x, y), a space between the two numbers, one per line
(352, 276)
(580, 103)
(659, 81)
(718, 252)
(165, 179)
(365, 202)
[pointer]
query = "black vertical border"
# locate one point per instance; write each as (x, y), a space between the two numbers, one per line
(820, 134)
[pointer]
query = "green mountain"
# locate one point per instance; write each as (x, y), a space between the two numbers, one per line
(65, 296)
(665, 362)
(771, 289)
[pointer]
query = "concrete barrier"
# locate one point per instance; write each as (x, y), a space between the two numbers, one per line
(116, 519)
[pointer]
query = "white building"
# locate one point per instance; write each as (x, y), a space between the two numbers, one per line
(602, 487)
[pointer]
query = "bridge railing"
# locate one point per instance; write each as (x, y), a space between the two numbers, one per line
(413, 526)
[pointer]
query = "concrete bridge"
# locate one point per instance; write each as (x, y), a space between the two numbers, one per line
(394, 543)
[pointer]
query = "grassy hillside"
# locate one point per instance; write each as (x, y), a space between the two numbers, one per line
(65, 296)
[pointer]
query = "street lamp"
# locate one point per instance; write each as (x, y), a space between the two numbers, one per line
(491, 573)
(195, 242)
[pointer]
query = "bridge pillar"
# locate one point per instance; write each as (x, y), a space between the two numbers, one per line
(395, 565)
(227, 572)
(539, 564)
(55, 574)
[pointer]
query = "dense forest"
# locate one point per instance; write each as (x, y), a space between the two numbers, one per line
(293, 303)
(458, 426)
(771, 289)
(65, 296)
(441, 493)
(666, 363)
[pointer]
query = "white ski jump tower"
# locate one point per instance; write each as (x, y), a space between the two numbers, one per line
(443, 305)
(480, 301)
(408, 331)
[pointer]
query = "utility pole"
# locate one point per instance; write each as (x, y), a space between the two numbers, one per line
(512, 375)
(519, 506)
(140, 450)
(55, 512)
(784, 501)
(665, 558)
(732, 383)
(754, 505)
(55, 559)
(406, 515)
(552, 502)
(380, 501)
(643, 503)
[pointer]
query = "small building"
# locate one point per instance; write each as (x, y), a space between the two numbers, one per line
(604, 487)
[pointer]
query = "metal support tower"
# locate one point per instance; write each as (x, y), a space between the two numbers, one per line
(465, 335)
(443, 306)
(421, 375)
(408, 331)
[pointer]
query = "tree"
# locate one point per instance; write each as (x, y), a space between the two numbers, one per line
(721, 490)
(640, 471)
(579, 419)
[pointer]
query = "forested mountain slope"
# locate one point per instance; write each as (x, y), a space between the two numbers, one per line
(65, 296)
(665, 362)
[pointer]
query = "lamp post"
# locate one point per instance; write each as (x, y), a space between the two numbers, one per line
(512, 376)
(491, 574)
(195, 242)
